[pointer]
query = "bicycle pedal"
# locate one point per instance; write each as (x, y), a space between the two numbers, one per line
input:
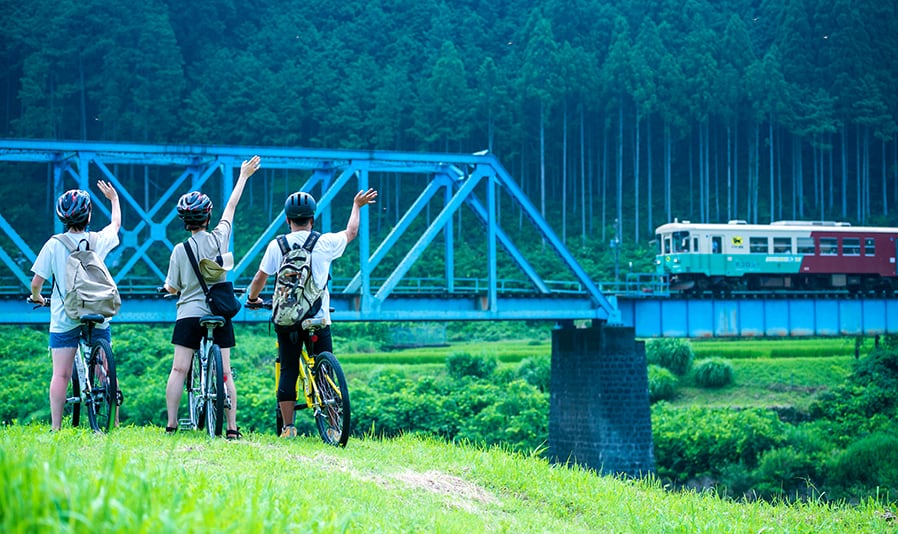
(185, 424)
(300, 406)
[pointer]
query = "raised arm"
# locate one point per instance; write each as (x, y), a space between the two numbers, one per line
(246, 170)
(362, 198)
(115, 210)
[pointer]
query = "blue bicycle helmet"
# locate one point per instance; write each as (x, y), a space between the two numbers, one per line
(73, 207)
(194, 207)
(300, 205)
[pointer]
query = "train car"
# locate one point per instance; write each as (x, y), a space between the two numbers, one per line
(781, 256)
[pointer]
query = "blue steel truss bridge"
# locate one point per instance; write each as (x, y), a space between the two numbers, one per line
(405, 264)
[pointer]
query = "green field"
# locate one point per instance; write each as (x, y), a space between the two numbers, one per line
(140, 480)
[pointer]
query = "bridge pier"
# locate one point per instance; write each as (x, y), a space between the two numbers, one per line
(599, 413)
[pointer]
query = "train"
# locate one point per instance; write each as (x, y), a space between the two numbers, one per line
(783, 256)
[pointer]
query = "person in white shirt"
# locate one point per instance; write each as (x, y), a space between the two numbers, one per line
(299, 210)
(73, 209)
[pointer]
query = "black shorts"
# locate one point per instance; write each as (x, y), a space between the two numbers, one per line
(189, 333)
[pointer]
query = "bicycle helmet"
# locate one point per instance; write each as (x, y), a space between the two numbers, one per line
(194, 207)
(73, 207)
(300, 205)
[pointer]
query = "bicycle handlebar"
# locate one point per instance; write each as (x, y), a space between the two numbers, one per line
(266, 304)
(37, 305)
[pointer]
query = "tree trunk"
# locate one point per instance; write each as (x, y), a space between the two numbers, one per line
(649, 181)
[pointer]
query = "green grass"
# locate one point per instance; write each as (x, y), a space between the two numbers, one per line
(139, 480)
(504, 351)
(777, 348)
(770, 382)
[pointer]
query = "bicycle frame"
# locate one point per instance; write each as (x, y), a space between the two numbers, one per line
(207, 397)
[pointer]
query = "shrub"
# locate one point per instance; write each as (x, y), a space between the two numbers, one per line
(662, 383)
(670, 353)
(714, 373)
(536, 371)
(868, 462)
(786, 472)
(694, 442)
(461, 364)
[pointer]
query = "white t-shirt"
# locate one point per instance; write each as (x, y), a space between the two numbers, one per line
(181, 275)
(50, 265)
(329, 247)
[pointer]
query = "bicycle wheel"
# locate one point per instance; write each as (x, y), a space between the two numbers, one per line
(103, 385)
(196, 407)
(333, 414)
(76, 394)
(215, 392)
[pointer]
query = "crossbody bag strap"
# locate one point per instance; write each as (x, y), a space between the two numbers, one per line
(196, 268)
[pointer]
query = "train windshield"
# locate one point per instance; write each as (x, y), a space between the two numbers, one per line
(680, 242)
(673, 243)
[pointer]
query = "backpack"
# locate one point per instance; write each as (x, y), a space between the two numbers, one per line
(296, 296)
(89, 286)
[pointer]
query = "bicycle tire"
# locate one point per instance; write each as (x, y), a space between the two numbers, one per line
(102, 403)
(215, 392)
(196, 407)
(76, 394)
(333, 414)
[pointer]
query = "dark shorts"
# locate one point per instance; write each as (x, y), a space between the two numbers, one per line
(70, 339)
(189, 333)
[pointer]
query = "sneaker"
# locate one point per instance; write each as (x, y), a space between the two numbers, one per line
(289, 432)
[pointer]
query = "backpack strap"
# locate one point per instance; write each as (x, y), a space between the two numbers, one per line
(311, 240)
(66, 243)
(283, 244)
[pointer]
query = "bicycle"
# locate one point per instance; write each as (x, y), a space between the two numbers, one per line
(93, 378)
(207, 396)
(324, 388)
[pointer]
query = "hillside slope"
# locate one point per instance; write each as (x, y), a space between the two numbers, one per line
(140, 480)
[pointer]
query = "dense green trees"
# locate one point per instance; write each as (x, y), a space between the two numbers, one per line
(695, 109)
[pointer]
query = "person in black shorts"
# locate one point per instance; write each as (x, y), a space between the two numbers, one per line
(195, 209)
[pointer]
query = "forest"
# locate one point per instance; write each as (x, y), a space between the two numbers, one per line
(616, 116)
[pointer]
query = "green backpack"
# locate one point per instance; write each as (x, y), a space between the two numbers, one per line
(296, 295)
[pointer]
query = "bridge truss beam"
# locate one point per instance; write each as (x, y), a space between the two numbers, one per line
(477, 184)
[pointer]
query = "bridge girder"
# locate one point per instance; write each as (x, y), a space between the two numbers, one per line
(455, 182)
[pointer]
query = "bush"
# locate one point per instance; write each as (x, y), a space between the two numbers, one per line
(536, 371)
(670, 353)
(695, 442)
(662, 383)
(461, 364)
(714, 373)
(787, 473)
(867, 463)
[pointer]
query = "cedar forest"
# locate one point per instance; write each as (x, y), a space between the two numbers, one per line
(615, 116)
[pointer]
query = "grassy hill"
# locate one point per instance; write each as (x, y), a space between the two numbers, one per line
(140, 480)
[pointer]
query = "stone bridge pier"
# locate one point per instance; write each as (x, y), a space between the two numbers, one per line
(599, 413)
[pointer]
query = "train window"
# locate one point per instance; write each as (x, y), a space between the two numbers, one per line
(805, 245)
(681, 242)
(829, 246)
(758, 245)
(869, 246)
(782, 245)
(716, 244)
(851, 246)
